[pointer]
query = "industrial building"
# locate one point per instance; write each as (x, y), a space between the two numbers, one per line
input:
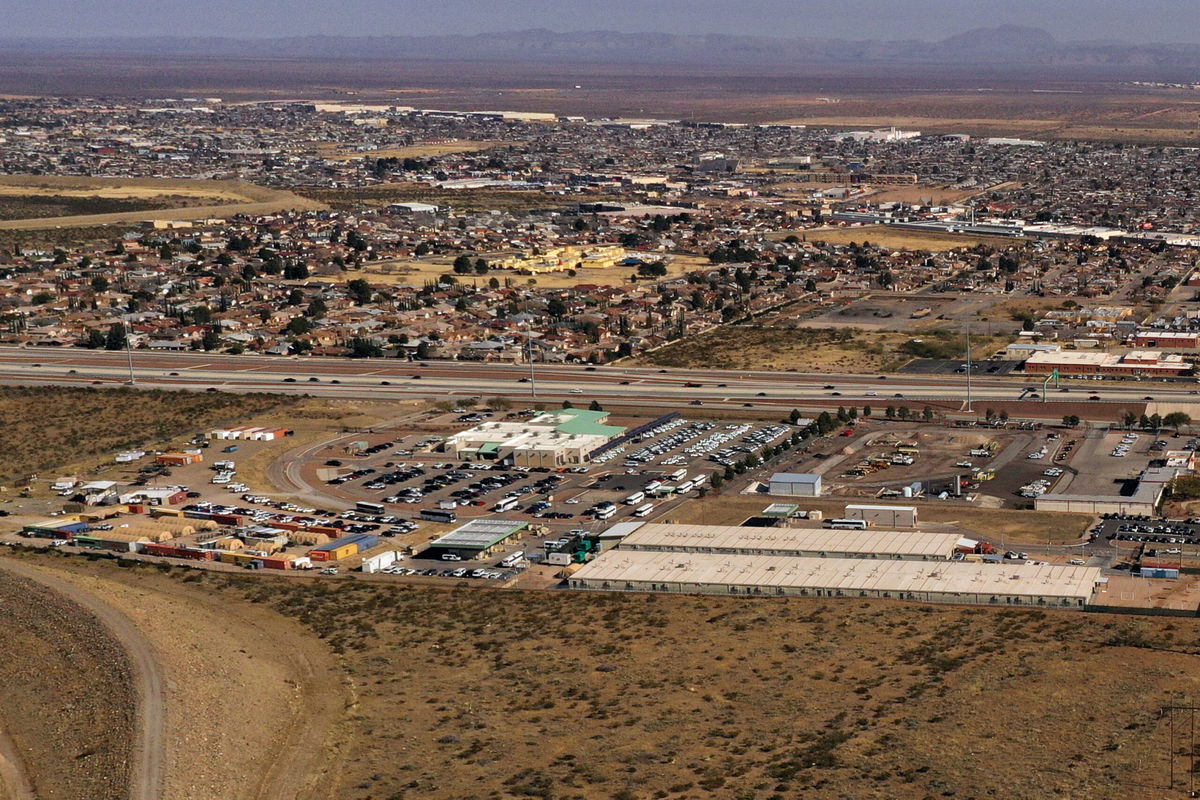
(560, 438)
(795, 484)
(478, 538)
(761, 575)
(1168, 339)
(793, 542)
(1075, 362)
(888, 516)
(1143, 501)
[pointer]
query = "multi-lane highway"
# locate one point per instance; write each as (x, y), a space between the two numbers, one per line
(393, 378)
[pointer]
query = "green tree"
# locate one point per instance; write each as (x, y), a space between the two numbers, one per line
(927, 414)
(211, 340)
(498, 403)
(1177, 420)
(360, 291)
(717, 479)
(116, 338)
(298, 326)
(1070, 420)
(463, 265)
(95, 339)
(364, 348)
(316, 308)
(100, 284)
(595, 406)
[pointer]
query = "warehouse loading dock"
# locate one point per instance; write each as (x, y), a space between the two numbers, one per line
(754, 575)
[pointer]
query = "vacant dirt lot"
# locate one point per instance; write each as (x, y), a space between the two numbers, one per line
(174, 199)
(474, 694)
(783, 348)
(903, 239)
(75, 426)
(68, 701)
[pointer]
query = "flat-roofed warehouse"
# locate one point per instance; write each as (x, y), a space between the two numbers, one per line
(770, 576)
(478, 537)
(793, 542)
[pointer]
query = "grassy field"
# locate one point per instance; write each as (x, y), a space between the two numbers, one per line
(902, 239)
(52, 428)
(24, 206)
(467, 693)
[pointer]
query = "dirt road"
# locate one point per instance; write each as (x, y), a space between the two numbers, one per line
(148, 761)
(14, 783)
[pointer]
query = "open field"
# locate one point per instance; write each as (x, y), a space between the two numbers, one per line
(417, 272)
(509, 694)
(68, 696)
(424, 150)
(903, 239)
(812, 349)
(283, 740)
(168, 199)
(459, 199)
(46, 428)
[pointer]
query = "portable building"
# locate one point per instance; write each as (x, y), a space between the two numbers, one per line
(378, 562)
(885, 516)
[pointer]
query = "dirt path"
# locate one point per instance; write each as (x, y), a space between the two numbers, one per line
(14, 783)
(148, 749)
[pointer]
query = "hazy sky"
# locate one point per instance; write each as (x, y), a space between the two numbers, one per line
(1129, 20)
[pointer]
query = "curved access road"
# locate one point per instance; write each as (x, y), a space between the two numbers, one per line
(14, 781)
(146, 780)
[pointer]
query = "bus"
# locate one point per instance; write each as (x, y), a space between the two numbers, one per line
(512, 558)
(652, 485)
(606, 513)
(643, 510)
(678, 474)
(370, 508)
(685, 487)
(506, 504)
(438, 515)
(848, 524)
(699, 480)
(634, 498)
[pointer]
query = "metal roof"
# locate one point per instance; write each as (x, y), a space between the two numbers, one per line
(795, 541)
(847, 575)
(795, 477)
(479, 534)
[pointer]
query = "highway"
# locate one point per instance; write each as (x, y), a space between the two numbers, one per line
(636, 386)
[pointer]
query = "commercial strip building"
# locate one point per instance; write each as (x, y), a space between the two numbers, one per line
(1076, 362)
(1143, 500)
(478, 537)
(561, 438)
(765, 575)
(888, 516)
(791, 542)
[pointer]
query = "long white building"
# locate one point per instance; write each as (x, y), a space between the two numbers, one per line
(772, 576)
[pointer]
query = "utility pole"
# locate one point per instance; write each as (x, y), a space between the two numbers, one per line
(969, 410)
(532, 377)
(129, 352)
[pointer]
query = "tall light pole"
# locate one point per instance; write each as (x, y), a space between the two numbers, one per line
(969, 409)
(529, 349)
(129, 352)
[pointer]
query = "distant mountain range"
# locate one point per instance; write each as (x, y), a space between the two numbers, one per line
(1004, 45)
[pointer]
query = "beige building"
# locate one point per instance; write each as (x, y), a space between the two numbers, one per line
(772, 576)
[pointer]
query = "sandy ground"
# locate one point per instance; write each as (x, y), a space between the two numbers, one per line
(417, 272)
(233, 197)
(253, 702)
(902, 239)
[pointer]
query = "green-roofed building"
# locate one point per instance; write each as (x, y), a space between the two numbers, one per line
(560, 438)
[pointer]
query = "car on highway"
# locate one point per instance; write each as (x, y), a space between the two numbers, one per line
(624, 383)
(829, 386)
(872, 394)
(693, 385)
(289, 380)
(1093, 397)
(386, 383)
(1147, 397)
(577, 391)
(314, 380)
(897, 394)
(761, 394)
